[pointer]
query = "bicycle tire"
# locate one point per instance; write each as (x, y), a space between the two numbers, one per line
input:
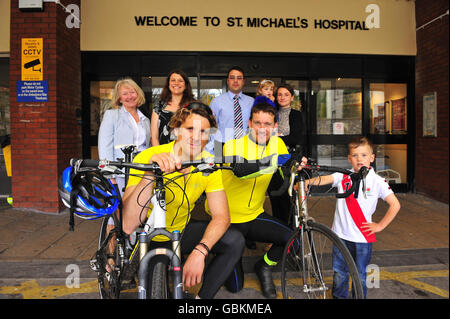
(159, 282)
(315, 279)
(108, 282)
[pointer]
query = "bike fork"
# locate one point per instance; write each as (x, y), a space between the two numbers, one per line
(173, 256)
(316, 267)
(156, 225)
(302, 197)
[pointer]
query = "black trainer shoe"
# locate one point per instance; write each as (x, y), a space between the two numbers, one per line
(264, 273)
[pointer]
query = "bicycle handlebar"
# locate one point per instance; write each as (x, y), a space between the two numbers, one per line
(294, 162)
(239, 165)
(323, 168)
(354, 176)
(115, 165)
(92, 163)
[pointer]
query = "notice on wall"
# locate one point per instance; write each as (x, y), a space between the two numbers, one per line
(32, 91)
(338, 128)
(32, 59)
(398, 115)
(430, 114)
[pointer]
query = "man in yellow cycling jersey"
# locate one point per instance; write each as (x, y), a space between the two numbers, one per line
(246, 196)
(191, 125)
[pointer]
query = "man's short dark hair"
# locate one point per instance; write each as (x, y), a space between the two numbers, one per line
(237, 68)
(264, 107)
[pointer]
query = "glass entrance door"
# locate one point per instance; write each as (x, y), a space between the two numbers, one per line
(336, 116)
(210, 88)
(101, 94)
(388, 126)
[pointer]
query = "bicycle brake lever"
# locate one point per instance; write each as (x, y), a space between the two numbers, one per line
(363, 173)
(364, 188)
(205, 168)
(110, 169)
(291, 185)
(80, 165)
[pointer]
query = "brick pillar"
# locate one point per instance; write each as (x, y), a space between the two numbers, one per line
(432, 76)
(44, 135)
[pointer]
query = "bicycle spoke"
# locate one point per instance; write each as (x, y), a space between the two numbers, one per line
(307, 271)
(108, 262)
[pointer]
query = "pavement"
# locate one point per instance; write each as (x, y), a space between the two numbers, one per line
(42, 242)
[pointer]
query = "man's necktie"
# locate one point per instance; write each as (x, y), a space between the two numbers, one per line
(238, 124)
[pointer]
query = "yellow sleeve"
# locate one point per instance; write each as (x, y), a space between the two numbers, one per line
(214, 182)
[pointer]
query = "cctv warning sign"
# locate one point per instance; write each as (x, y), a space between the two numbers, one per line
(32, 59)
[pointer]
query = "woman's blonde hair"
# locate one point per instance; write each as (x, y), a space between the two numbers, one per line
(130, 83)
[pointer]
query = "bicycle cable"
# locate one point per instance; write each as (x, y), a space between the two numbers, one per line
(168, 181)
(152, 179)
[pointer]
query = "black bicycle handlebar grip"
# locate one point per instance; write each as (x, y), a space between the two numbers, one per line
(337, 170)
(245, 169)
(85, 162)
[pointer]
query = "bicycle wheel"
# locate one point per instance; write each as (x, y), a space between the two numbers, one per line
(108, 281)
(306, 266)
(159, 282)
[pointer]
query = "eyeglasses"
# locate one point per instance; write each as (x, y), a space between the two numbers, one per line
(235, 78)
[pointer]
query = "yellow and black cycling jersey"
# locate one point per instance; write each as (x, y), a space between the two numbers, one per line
(246, 195)
(190, 186)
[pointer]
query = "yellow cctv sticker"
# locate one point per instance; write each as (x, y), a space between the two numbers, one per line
(32, 59)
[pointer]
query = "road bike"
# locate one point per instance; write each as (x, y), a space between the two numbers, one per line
(306, 264)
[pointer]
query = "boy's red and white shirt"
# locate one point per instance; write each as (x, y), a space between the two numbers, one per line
(351, 212)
